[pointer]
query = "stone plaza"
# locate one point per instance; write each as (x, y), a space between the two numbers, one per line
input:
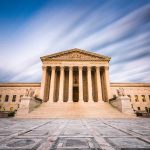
(71, 134)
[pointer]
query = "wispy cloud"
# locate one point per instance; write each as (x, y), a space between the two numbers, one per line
(101, 27)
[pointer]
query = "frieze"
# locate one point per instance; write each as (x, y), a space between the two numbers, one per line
(75, 63)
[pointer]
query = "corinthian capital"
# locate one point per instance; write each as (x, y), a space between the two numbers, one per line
(106, 67)
(44, 68)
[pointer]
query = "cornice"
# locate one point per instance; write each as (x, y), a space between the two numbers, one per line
(20, 84)
(53, 60)
(31, 84)
(130, 84)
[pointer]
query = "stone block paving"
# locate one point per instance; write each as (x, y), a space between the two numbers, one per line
(73, 134)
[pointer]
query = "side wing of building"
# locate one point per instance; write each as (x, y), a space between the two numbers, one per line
(10, 94)
(139, 94)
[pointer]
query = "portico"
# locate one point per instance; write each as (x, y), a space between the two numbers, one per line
(75, 76)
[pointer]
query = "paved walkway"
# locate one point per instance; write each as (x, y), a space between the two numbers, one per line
(64, 134)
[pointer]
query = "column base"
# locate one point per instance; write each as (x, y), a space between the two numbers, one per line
(49, 101)
(60, 101)
(91, 101)
(70, 101)
(101, 102)
(81, 101)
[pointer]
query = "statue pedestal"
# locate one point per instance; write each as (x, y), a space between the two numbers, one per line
(27, 104)
(123, 104)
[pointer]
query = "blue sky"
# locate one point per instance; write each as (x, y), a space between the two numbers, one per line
(33, 28)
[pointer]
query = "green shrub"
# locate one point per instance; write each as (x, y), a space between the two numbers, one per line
(11, 114)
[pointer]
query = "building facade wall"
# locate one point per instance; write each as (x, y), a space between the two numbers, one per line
(138, 92)
(47, 94)
(16, 90)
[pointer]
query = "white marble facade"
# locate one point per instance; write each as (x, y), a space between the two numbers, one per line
(74, 76)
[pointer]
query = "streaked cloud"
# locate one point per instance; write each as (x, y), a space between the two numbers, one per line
(113, 28)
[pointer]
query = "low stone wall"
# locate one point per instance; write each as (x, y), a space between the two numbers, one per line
(27, 105)
(123, 104)
(34, 103)
(117, 104)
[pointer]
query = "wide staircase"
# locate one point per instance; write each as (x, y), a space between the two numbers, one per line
(75, 110)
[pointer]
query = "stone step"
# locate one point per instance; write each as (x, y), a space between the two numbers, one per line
(75, 110)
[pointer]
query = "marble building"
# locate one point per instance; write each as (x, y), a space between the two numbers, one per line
(74, 76)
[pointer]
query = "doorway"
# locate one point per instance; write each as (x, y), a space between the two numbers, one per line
(75, 94)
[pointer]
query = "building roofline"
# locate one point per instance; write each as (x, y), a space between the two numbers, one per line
(20, 84)
(129, 84)
(75, 50)
(38, 84)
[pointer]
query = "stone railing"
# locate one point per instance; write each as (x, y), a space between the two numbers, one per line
(28, 104)
(123, 104)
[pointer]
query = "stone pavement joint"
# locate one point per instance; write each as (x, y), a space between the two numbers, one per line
(71, 134)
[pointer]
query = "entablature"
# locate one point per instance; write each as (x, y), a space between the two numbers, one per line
(75, 63)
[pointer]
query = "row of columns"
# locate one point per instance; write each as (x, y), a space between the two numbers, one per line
(70, 92)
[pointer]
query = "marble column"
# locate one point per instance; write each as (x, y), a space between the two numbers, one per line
(99, 86)
(80, 84)
(107, 82)
(90, 96)
(51, 93)
(70, 98)
(43, 83)
(61, 84)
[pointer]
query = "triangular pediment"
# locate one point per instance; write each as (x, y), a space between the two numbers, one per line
(75, 54)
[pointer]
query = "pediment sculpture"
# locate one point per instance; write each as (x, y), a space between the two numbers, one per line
(75, 54)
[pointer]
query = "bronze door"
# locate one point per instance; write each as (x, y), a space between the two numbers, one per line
(75, 94)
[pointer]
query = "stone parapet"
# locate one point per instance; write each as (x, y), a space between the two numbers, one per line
(27, 105)
(130, 85)
(20, 84)
(123, 104)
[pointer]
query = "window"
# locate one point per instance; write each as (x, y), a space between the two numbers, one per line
(139, 108)
(146, 109)
(132, 105)
(136, 98)
(3, 109)
(114, 96)
(149, 97)
(20, 98)
(14, 98)
(6, 98)
(129, 97)
(0, 97)
(143, 98)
